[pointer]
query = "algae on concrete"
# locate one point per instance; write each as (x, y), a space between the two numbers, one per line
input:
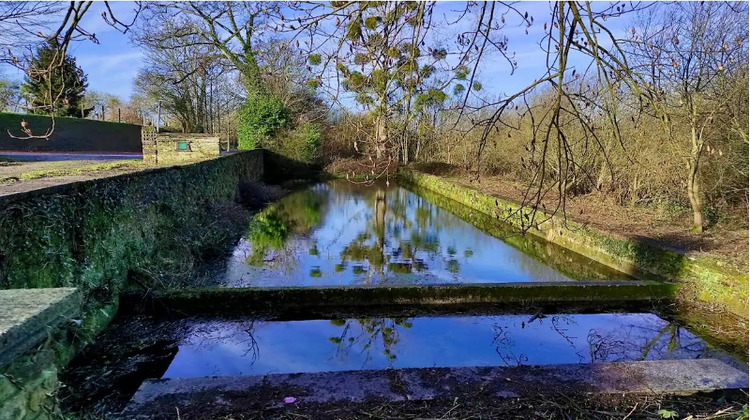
(331, 298)
(28, 316)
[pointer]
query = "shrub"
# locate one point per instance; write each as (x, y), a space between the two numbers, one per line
(311, 135)
(303, 143)
(260, 118)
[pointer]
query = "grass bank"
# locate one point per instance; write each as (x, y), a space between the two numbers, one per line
(16, 171)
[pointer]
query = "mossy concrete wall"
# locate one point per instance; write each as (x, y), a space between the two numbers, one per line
(712, 282)
(29, 381)
(94, 234)
(323, 301)
(97, 236)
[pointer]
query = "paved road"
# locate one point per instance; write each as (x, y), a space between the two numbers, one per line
(57, 156)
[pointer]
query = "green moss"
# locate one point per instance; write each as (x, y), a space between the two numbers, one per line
(31, 380)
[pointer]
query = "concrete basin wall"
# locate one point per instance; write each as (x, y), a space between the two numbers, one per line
(93, 235)
(703, 279)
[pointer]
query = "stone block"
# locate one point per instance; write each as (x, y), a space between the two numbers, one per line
(27, 316)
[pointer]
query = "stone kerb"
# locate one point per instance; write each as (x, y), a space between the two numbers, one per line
(31, 321)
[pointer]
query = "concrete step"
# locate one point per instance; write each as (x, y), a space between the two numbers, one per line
(226, 395)
(27, 316)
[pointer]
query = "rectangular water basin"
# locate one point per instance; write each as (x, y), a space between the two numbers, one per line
(251, 347)
(342, 234)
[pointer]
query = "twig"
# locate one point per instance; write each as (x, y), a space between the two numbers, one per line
(631, 411)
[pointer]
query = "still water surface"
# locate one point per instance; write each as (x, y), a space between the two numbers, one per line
(256, 347)
(338, 233)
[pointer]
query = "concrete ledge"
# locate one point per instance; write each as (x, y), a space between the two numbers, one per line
(28, 316)
(514, 295)
(227, 395)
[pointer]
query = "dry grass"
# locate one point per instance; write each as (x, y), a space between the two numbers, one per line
(12, 172)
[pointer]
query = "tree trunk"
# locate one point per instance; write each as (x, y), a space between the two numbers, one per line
(381, 136)
(694, 194)
(380, 208)
(693, 184)
(406, 148)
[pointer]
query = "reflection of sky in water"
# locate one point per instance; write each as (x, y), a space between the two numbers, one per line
(247, 348)
(344, 234)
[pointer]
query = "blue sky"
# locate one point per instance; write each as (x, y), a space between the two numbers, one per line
(112, 64)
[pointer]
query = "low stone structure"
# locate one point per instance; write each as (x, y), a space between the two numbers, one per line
(33, 348)
(165, 148)
(216, 397)
(508, 297)
(708, 281)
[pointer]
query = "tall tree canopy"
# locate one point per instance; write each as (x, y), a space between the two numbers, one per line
(51, 88)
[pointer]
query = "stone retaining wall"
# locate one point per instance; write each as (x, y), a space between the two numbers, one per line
(92, 234)
(166, 148)
(96, 235)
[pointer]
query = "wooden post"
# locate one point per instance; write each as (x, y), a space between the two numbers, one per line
(158, 117)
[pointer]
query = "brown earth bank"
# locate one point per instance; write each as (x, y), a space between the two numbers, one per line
(725, 240)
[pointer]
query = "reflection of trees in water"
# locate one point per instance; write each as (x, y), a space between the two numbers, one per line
(367, 333)
(370, 244)
(645, 338)
(397, 232)
(294, 216)
(505, 348)
(206, 336)
(400, 226)
(643, 342)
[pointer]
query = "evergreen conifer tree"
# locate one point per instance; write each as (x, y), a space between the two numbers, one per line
(54, 84)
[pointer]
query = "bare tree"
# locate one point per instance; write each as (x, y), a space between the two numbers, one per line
(182, 72)
(385, 55)
(690, 52)
(232, 28)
